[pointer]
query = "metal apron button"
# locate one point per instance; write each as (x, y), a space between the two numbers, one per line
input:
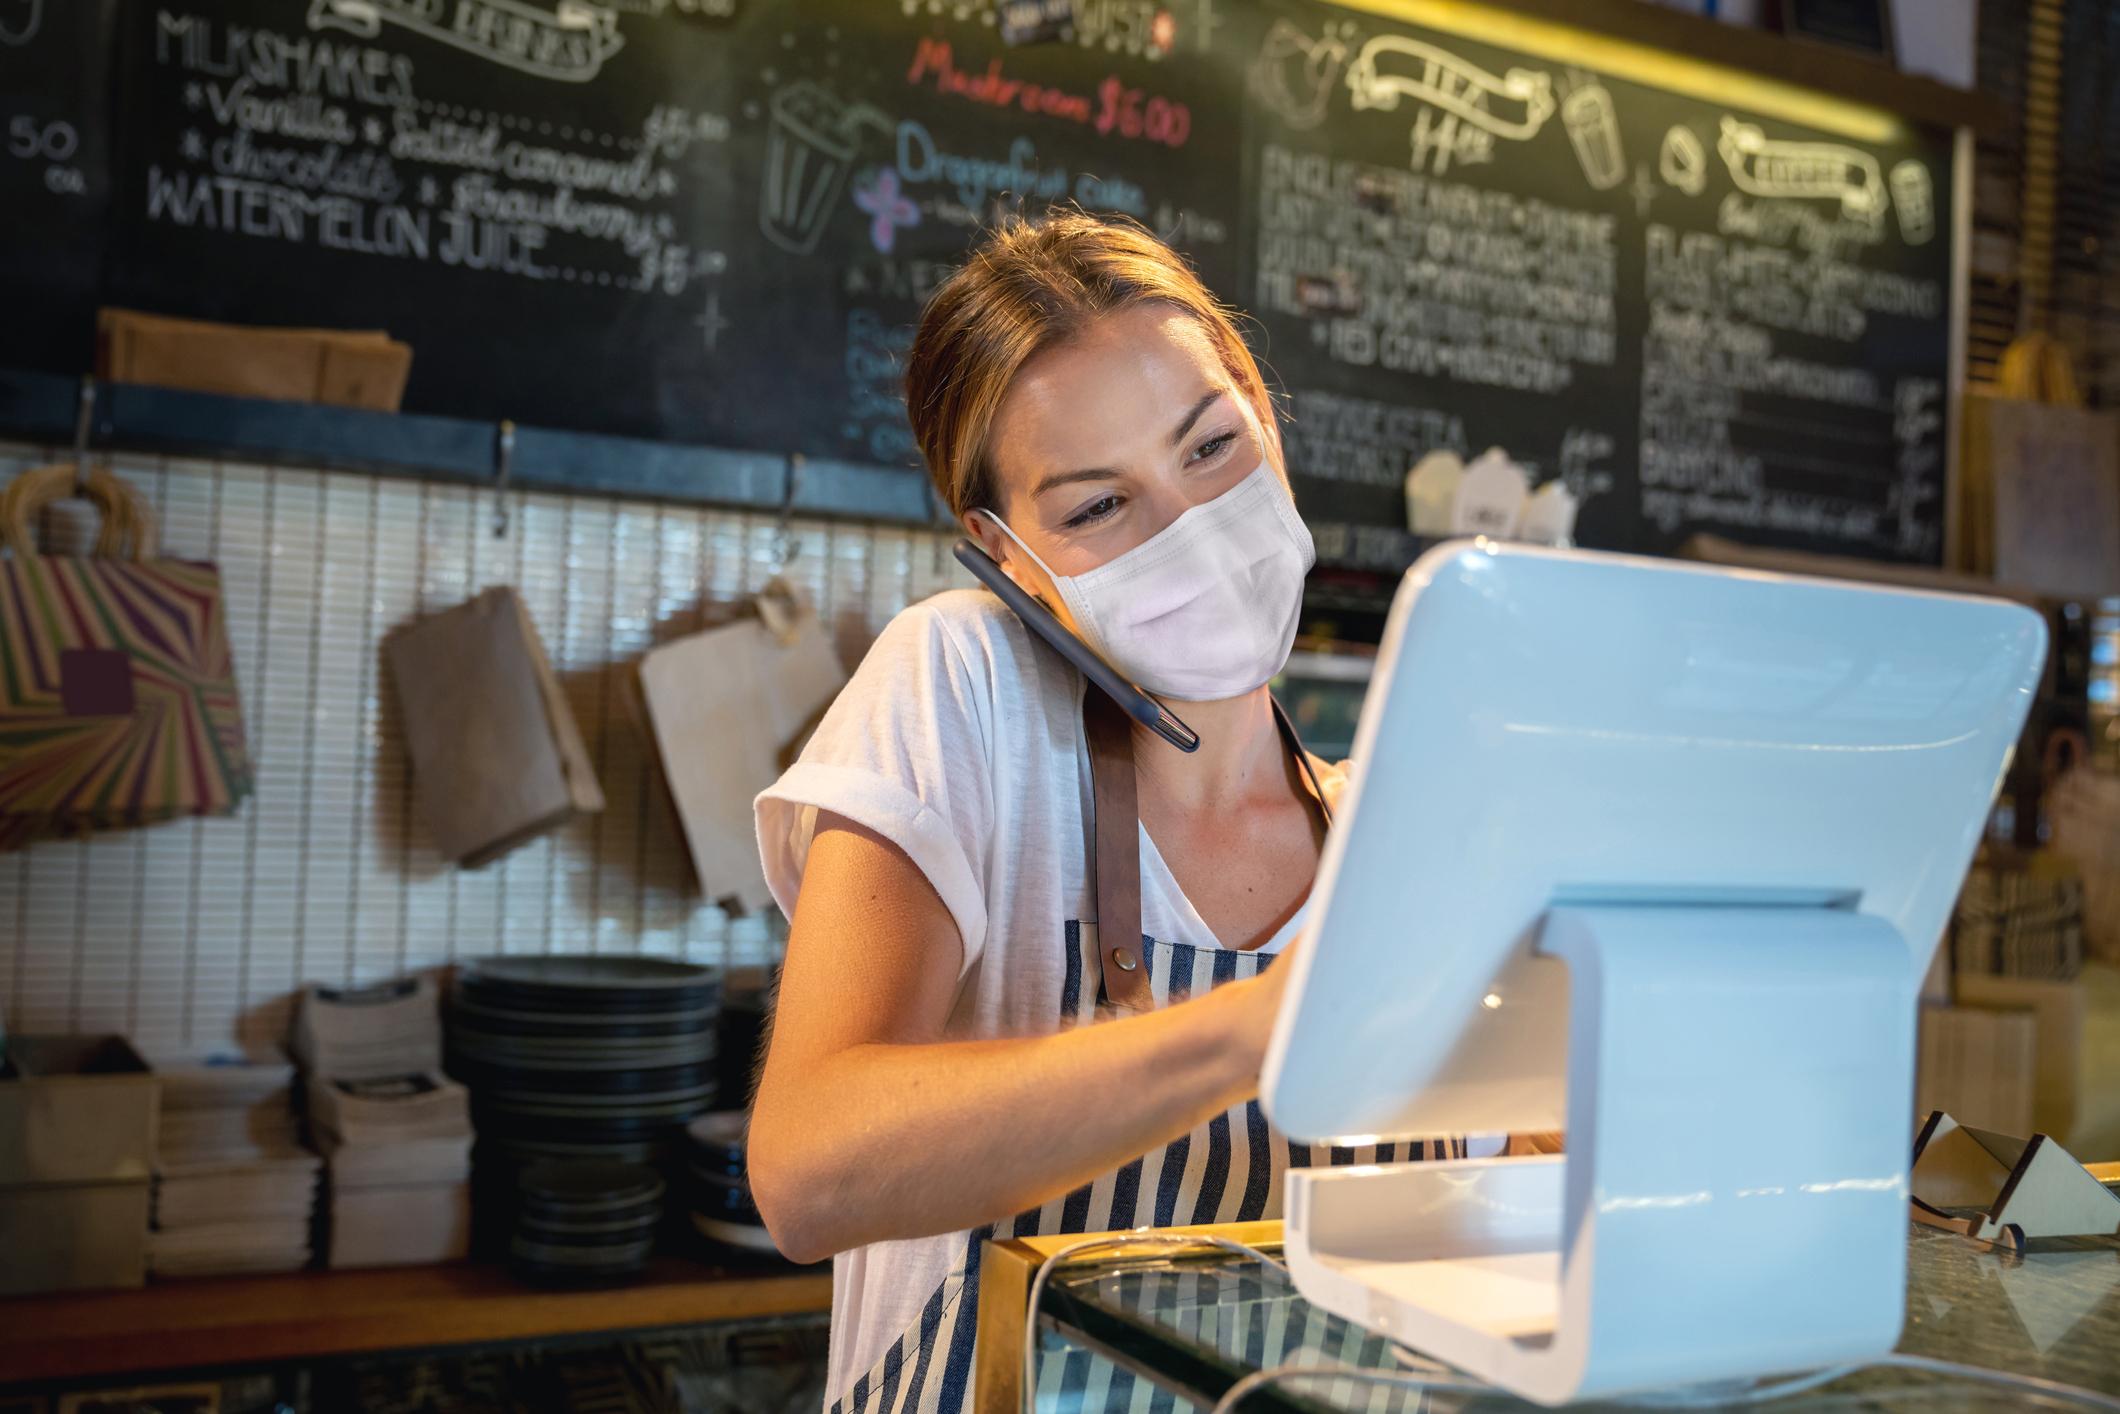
(1126, 960)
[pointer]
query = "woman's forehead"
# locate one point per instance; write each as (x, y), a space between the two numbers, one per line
(1107, 397)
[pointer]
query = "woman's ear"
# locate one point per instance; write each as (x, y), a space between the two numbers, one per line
(1002, 549)
(989, 537)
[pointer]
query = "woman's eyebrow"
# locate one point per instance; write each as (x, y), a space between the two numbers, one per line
(1058, 479)
(1194, 416)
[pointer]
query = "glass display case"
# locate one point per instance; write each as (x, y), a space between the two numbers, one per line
(1147, 1332)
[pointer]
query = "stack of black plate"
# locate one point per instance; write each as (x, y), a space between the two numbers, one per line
(580, 1058)
(722, 1210)
(585, 1219)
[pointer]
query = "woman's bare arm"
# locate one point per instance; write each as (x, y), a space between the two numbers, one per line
(869, 1127)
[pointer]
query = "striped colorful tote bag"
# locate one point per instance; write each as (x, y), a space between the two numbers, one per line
(117, 693)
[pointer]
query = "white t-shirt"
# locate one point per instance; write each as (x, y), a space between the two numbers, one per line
(960, 740)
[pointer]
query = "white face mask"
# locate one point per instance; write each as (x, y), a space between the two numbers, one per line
(1206, 609)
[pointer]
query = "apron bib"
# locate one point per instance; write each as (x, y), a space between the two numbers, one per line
(1228, 1170)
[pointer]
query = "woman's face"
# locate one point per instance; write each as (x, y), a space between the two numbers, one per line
(1103, 441)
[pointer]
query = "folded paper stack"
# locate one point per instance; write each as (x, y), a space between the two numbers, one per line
(369, 1033)
(235, 1190)
(399, 1150)
(395, 1132)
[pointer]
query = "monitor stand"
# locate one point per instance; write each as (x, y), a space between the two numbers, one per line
(1733, 1201)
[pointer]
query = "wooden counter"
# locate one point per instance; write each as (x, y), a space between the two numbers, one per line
(228, 1321)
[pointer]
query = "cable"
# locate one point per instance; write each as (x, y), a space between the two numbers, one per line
(1422, 1373)
(1029, 1398)
(2029, 1384)
(1426, 1377)
(1259, 1379)
(1719, 1396)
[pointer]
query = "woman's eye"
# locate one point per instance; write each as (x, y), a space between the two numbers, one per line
(1214, 446)
(1095, 511)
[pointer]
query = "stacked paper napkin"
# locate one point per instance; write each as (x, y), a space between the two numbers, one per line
(387, 1030)
(399, 1150)
(235, 1190)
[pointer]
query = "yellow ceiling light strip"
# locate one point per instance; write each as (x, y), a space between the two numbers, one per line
(1640, 63)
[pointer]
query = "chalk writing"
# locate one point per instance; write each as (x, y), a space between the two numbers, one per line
(1464, 109)
(20, 20)
(875, 407)
(1116, 110)
(1354, 545)
(935, 62)
(52, 144)
(568, 44)
(1592, 124)
(357, 73)
(888, 208)
(1683, 160)
(1914, 198)
(1451, 281)
(1294, 73)
(1718, 444)
(326, 142)
(1358, 441)
(1763, 166)
(814, 138)
(921, 162)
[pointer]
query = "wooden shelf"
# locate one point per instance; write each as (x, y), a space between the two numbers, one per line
(254, 1320)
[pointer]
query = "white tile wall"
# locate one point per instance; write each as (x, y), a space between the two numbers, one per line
(193, 935)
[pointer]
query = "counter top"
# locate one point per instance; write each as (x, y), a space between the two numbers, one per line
(225, 1321)
(1200, 1323)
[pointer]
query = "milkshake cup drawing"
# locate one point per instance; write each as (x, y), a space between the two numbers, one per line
(1593, 126)
(1914, 198)
(810, 148)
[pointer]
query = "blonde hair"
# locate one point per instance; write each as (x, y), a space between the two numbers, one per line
(1029, 286)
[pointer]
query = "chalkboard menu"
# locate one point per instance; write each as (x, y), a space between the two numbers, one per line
(1699, 318)
(54, 178)
(715, 221)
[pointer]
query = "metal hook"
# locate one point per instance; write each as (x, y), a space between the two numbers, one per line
(504, 461)
(84, 421)
(785, 546)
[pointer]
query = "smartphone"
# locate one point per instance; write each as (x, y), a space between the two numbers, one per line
(1040, 621)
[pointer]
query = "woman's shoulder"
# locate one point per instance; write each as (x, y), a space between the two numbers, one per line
(966, 629)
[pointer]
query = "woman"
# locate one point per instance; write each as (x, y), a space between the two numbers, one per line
(1093, 418)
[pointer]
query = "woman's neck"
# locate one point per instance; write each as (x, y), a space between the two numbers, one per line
(1240, 753)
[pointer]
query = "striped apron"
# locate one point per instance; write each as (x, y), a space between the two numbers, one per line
(1228, 1170)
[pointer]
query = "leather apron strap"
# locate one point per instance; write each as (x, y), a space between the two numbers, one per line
(1115, 843)
(1115, 851)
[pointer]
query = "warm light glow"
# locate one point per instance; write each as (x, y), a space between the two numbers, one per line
(1491, 1001)
(1658, 68)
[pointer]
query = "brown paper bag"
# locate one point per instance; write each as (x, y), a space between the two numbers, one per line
(729, 706)
(342, 367)
(496, 756)
(2040, 500)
